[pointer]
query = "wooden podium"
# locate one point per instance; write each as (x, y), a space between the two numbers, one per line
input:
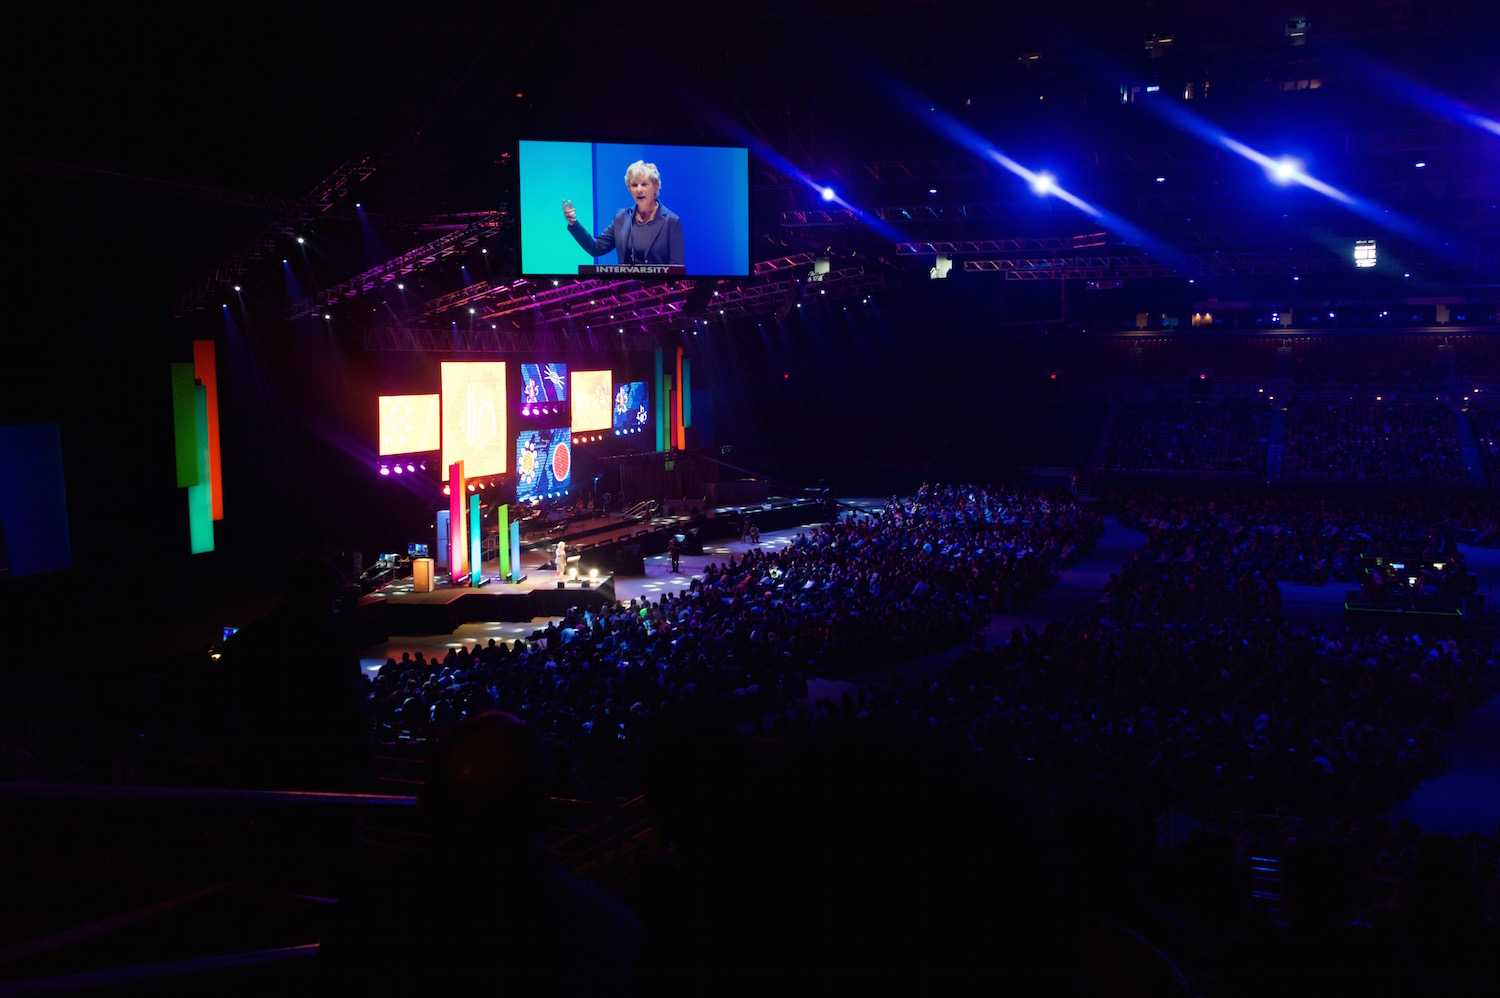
(423, 575)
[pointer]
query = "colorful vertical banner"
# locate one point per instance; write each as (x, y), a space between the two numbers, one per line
(679, 439)
(504, 537)
(515, 550)
(185, 424)
(200, 496)
(205, 371)
(660, 384)
(457, 487)
(443, 517)
(476, 545)
(687, 395)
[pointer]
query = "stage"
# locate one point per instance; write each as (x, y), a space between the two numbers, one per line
(397, 609)
(613, 547)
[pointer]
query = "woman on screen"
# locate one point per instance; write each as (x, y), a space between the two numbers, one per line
(647, 232)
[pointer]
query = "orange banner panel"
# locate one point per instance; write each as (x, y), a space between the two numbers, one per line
(409, 423)
(206, 374)
(593, 400)
(474, 417)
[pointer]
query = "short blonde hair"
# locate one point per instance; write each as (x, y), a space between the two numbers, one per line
(640, 166)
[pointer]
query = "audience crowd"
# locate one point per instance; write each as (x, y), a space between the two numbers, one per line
(1003, 808)
(1222, 438)
(1373, 442)
(853, 595)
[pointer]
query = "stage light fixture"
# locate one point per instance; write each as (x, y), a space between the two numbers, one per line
(1161, 180)
(932, 190)
(1043, 184)
(484, 251)
(1285, 170)
(400, 287)
(1421, 166)
(398, 469)
(447, 491)
(411, 467)
(327, 316)
(358, 205)
(471, 311)
(236, 287)
(301, 241)
(827, 193)
(384, 470)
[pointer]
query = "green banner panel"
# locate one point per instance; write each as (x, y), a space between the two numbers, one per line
(185, 425)
(661, 405)
(201, 496)
(504, 545)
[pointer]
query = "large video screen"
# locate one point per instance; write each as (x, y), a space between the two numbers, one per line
(544, 383)
(409, 423)
(34, 535)
(592, 400)
(474, 417)
(632, 407)
(702, 222)
(544, 464)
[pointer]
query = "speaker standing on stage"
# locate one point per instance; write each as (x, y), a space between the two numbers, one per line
(562, 558)
(646, 232)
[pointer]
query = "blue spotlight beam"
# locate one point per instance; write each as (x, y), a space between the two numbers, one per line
(1043, 184)
(1288, 171)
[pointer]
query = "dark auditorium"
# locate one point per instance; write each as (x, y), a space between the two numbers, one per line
(1012, 505)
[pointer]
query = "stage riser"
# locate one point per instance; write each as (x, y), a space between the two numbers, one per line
(375, 622)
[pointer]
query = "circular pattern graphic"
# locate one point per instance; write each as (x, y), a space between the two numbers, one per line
(562, 462)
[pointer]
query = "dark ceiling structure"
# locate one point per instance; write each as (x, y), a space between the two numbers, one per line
(1135, 142)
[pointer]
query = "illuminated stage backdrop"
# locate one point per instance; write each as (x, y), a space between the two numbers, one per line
(592, 401)
(409, 423)
(544, 464)
(474, 417)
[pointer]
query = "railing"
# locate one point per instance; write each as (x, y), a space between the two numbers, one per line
(645, 509)
(587, 837)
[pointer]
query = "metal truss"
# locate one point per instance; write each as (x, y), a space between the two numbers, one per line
(591, 298)
(422, 340)
(969, 211)
(488, 224)
(316, 202)
(626, 308)
(887, 171)
(1108, 266)
(156, 185)
(954, 247)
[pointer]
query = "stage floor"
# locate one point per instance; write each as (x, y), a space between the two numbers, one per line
(659, 579)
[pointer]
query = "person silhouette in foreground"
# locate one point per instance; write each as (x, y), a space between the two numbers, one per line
(484, 909)
(296, 695)
(868, 859)
(1323, 949)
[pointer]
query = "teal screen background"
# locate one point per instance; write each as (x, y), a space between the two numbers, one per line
(707, 187)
